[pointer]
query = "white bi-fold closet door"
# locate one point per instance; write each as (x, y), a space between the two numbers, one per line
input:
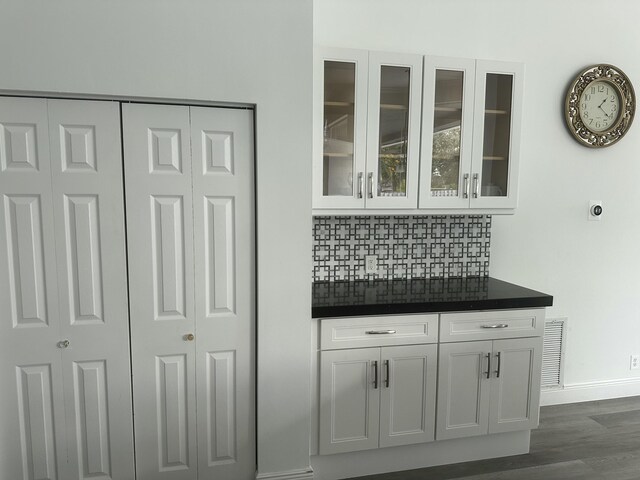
(65, 395)
(190, 228)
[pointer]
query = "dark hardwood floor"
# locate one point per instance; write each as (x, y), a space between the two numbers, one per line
(587, 441)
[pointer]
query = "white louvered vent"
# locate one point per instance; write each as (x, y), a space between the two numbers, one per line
(553, 353)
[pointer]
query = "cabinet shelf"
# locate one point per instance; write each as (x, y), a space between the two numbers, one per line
(391, 106)
(490, 111)
(329, 103)
(451, 107)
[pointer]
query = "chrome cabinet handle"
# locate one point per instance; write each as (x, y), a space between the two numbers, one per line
(476, 185)
(495, 325)
(370, 185)
(499, 363)
(375, 374)
(465, 188)
(488, 372)
(360, 184)
(64, 344)
(380, 332)
(388, 376)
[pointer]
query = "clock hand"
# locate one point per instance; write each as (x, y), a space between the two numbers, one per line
(600, 107)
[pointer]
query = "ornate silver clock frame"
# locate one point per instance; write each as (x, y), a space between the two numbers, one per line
(617, 79)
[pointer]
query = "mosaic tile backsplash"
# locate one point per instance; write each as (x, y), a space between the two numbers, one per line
(441, 246)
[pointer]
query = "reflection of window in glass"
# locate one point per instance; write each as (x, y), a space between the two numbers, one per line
(447, 122)
(394, 128)
(445, 163)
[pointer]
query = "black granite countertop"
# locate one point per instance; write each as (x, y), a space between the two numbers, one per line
(380, 297)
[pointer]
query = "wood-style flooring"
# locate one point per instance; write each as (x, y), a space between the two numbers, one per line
(586, 441)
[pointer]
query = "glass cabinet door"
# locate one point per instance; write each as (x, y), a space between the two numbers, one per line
(393, 132)
(496, 144)
(338, 128)
(447, 132)
(340, 133)
(497, 133)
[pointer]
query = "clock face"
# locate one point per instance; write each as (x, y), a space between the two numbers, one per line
(599, 106)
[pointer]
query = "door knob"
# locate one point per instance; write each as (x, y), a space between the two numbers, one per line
(189, 337)
(63, 344)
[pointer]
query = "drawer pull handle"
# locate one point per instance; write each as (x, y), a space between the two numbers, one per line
(380, 332)
(497, 325)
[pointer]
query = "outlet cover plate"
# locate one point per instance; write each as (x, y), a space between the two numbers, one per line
(370, 264)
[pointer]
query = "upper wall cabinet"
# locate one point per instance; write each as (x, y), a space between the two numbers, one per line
(366, 129)
(470, 134)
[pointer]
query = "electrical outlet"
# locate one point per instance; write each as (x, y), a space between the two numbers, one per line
(635, 362)
(370, 264)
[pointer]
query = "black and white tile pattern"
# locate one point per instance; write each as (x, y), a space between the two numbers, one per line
(406, 246)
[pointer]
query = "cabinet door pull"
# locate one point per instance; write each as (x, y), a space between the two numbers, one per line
(476, 185)
(388, 376)
(375, 374)
(488, 372)
(465, 187)
(499, 362)
(495, 325)
(380, 332)
(360, 184)
(370, 185)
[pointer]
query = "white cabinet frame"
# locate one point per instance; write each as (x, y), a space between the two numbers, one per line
(366, 129)
(483, 68)
(488, 387)
(472, 134)
(360, 58)
(414, 62)
(377, 397)
(431, 67)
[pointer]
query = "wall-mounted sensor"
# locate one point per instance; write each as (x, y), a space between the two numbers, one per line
(595, 210)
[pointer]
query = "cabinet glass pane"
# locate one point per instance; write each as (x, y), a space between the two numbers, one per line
(447, 124)
(497, 133)
(393, 134)
(338, 128)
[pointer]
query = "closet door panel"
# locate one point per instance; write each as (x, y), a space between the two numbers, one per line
(28, 297)
(160, 231)
(86, 161)
(32, 414)
(224, 245)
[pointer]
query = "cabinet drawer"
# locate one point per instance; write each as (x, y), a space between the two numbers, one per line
(459, 327)
(374, 331)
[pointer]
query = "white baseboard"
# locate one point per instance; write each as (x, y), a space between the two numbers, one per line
(589, 391)
(304, 474)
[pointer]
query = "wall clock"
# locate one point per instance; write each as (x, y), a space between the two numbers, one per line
(600, 106)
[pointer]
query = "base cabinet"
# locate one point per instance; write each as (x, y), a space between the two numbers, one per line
(407, 379)
(377, 397)
(488, 387)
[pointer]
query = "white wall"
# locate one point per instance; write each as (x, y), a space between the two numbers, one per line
(249, 51)
(591, 268)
